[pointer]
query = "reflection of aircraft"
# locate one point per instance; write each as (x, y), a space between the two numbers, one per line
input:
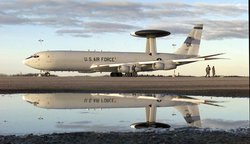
(187, 106)
(123, 62)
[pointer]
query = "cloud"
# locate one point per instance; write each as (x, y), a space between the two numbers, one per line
(226, 29)
(222, 9)
(8, 19)
(213, 29)
(87, 18)
(108, 27)
(97, 28)
(74, 32)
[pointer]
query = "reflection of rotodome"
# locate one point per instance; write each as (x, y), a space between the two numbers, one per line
(151, 33)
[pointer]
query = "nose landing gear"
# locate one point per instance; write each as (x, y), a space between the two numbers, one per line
(46, 74)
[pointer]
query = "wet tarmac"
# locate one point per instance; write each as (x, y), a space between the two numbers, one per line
(83, 112)
(218, 86)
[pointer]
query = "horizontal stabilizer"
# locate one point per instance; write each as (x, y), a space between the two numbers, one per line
(215, 58)
(197, 101)
(211, 55)
(195, 59)
(212, 104)
(188, 60)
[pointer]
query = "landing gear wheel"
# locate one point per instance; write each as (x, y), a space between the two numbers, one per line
(112, 74)
(120, 74)
(128, 74)
(115, 74)
(47, 74)
(133, 74)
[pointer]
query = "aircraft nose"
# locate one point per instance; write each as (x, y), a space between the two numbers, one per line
(25, 62)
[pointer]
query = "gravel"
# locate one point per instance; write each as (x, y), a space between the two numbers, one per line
(181, 136)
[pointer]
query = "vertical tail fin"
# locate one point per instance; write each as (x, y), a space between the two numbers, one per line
(191, 114)
(192, 43)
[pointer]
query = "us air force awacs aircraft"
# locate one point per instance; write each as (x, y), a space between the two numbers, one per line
(119, 63)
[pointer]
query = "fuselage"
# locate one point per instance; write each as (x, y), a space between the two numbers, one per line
(88, 100)
(82, 60)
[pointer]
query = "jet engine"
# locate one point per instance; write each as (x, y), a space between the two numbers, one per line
(158, 66)
(137, 68)
(169, 65)
(124, 69)
(166, 65)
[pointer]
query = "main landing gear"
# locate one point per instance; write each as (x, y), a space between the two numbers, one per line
(118, 74)
(46, 74)
(133, 74)
(150, 120)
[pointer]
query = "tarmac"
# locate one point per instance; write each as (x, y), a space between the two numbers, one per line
(216, 86)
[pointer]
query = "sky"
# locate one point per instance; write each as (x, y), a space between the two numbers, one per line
(106, 25)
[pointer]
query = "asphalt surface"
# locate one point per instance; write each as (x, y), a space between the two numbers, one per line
(218, 86)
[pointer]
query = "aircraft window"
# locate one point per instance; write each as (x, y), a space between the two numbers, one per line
(33, 56)
(29, 57)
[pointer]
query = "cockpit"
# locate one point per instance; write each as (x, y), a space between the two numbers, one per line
(33, 60)
(33, 56)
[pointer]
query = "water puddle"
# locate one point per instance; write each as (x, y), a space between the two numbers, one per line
(102, 112)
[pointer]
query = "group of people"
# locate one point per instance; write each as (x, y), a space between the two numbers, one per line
(208, 71)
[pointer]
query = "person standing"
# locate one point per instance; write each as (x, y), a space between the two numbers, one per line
(213, 71)
(208, 71)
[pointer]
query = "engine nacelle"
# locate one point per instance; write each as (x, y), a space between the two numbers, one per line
(158, 66)
(137, 69)
(124, 69)
(167, 65)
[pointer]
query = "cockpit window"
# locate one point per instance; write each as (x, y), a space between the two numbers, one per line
(29, 57)
(33, 56)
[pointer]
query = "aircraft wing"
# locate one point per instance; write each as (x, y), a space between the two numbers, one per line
(108, 67)
(147, 65)
(119, 64)
(103, 67)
